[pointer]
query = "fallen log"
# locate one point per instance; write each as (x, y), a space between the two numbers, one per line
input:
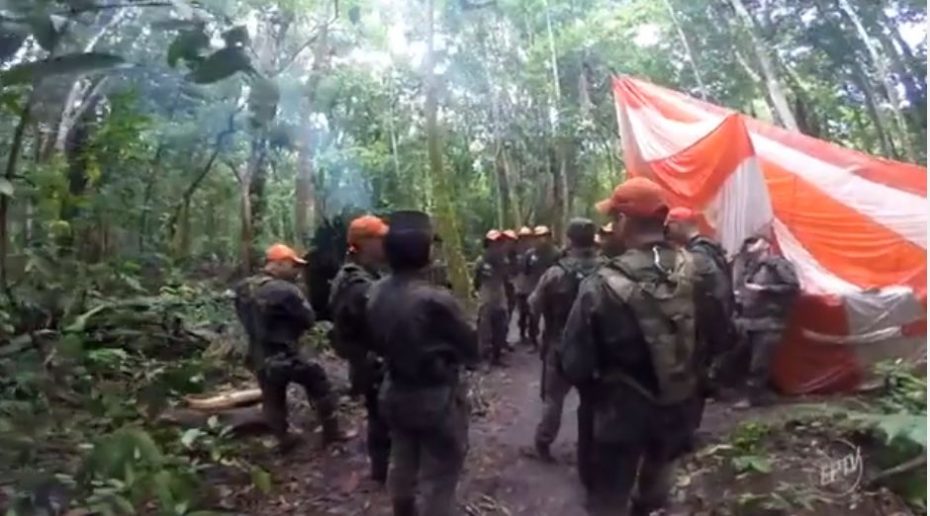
(225, 400)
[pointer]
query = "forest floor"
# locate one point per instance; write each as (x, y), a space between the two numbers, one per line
(758, 461)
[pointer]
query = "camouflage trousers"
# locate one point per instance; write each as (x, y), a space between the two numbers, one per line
(635, 444)
(428, 447)
(584, 458)
(492, 330)
(555, 388)
(379, 436)
(280, 370)
(527, 321)
(762, 346)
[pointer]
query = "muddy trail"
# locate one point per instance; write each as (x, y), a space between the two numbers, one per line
(500, 479)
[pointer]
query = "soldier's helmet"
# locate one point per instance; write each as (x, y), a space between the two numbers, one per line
(408, 240)
(581, 232)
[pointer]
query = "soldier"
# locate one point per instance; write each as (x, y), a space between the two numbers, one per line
(535, 263)
(274, 314)
(510, 254)
(523, 286)
(425, 339)
(352, 336)
(552, 299)
(490, 280)
(629, 340)
(715, 288)
(766, 289)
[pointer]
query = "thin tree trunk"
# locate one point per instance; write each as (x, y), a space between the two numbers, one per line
(878, 60)
(9, 175)
(304, 207)
(861, 80)
(560, 185)
(446, 219)
(688, 51)
(769, 70)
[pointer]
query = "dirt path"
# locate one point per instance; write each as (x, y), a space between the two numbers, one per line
(500, 480)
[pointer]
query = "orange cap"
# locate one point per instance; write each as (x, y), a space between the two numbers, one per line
(366, 226)
(509, 233)
(493, 235)
(283, 253)
(524, 232)
(681, 214)
(637, 196)
(607, 228)
(541, 231)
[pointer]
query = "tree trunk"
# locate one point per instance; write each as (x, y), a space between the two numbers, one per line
(446, 218)
(861, 80)
(560, 183)
(8, 176)
(878, 60)
(245, 225)
(769, 71)
(304, 207)
(688, 51)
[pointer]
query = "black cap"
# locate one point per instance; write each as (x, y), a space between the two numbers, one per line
(408, 240)
(410, 220)
(581, 232)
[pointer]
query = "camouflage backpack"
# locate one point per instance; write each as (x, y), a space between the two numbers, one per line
(576, 270)
(661, 297)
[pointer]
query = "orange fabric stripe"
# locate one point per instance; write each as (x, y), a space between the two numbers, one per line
(845, 242)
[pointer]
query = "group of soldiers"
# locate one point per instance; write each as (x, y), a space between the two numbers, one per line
(641, 316)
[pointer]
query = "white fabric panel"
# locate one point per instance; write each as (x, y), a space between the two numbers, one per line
(659, 137)
(742, 207)
(874, 310)
(899, 211)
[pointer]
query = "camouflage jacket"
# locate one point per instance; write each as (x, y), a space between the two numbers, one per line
(716, 302)
(632, 327)
(351, 337)
(489, 279)
(274, 314)
(423, 333)
(766, 292)
(556, 291)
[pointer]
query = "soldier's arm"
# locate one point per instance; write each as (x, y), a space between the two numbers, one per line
(785, 279)
(577, 349)
(538, 296)
(451, 321)
(296, 306)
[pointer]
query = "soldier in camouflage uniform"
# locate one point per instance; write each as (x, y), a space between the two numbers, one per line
(552, 299)
(490, 280)
(352, 336)
(716, 304)
(534, 263)
(274, 314)
(767, 287)
(510, 255)
(523, 286)
(629, 340)
(425, 339)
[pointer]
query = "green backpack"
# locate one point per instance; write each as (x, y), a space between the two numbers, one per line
(661, 297)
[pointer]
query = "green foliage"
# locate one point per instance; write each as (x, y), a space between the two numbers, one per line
(746, 448)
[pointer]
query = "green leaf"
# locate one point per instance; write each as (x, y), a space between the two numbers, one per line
(911, 427)
(191, 435)
(77, 63)
(237, 37)
(220, 65)
(189, 46)
(6, 187)
(262, 480)
(756, 463)
(44, 31)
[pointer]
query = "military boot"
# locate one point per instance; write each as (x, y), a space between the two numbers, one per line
(405, 507)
